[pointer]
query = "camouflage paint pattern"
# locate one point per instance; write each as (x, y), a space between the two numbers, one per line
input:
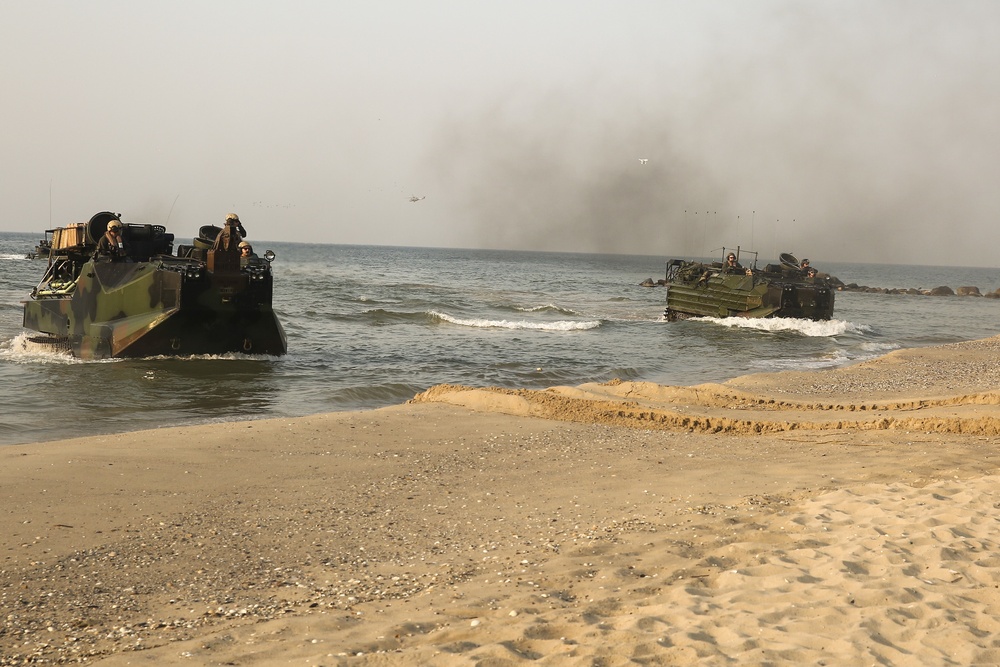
(165, 306)
(695, 289)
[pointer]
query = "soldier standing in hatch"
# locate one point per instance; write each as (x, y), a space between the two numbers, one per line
(229, 238)
(111, 245)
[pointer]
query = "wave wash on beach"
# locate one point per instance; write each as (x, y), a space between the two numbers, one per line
(842, 517)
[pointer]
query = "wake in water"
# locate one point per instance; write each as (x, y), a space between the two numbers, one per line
(824, 328)
(24, 349)
(830, 329)
(812, 357)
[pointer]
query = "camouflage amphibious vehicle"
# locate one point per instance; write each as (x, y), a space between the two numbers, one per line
(727, 289)
(149, 301)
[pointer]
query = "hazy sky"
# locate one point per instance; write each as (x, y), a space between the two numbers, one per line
(840, 130)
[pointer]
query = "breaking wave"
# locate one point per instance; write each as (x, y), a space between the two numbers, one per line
(546, 308)
(481, 323)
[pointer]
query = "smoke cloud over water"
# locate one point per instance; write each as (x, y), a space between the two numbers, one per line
(553, 175)
(863, 131)
(841, 130)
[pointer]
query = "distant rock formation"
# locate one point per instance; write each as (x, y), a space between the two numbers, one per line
(942, 290)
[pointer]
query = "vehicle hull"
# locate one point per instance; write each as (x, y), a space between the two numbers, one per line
(149, 309)
(154, 304)
(700, 290)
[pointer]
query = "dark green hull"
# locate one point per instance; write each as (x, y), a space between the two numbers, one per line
(695, 289)
(158, 305)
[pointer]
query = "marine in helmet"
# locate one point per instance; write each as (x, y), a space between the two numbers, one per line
(232, 233)
(111, 246)
(247, 255)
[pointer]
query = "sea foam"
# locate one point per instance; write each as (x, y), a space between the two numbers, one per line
(22, 349)
(824, 328)
(546, 308)
(562, 325)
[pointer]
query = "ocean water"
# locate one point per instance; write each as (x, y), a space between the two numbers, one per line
(370, 326)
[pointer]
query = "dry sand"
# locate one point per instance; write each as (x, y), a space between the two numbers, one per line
(844, 517)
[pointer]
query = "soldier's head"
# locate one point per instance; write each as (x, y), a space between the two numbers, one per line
(731, 258)
(115, 227)
(245, 248)
(232, 219)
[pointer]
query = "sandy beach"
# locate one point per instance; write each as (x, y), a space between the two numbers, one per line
(840, 517)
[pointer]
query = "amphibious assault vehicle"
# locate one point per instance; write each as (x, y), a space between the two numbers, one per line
(41, 250)
(727, 289)
(149, 301)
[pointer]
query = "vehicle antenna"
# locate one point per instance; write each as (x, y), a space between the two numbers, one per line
(171, 210)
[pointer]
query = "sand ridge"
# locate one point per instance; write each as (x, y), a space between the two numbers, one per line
(936, 390)
(714, 409)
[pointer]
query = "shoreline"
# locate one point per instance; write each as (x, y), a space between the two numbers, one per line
(842, 515)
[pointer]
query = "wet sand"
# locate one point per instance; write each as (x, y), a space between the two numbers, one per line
(842, 517)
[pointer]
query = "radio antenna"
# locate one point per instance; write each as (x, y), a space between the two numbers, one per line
(171, 210)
